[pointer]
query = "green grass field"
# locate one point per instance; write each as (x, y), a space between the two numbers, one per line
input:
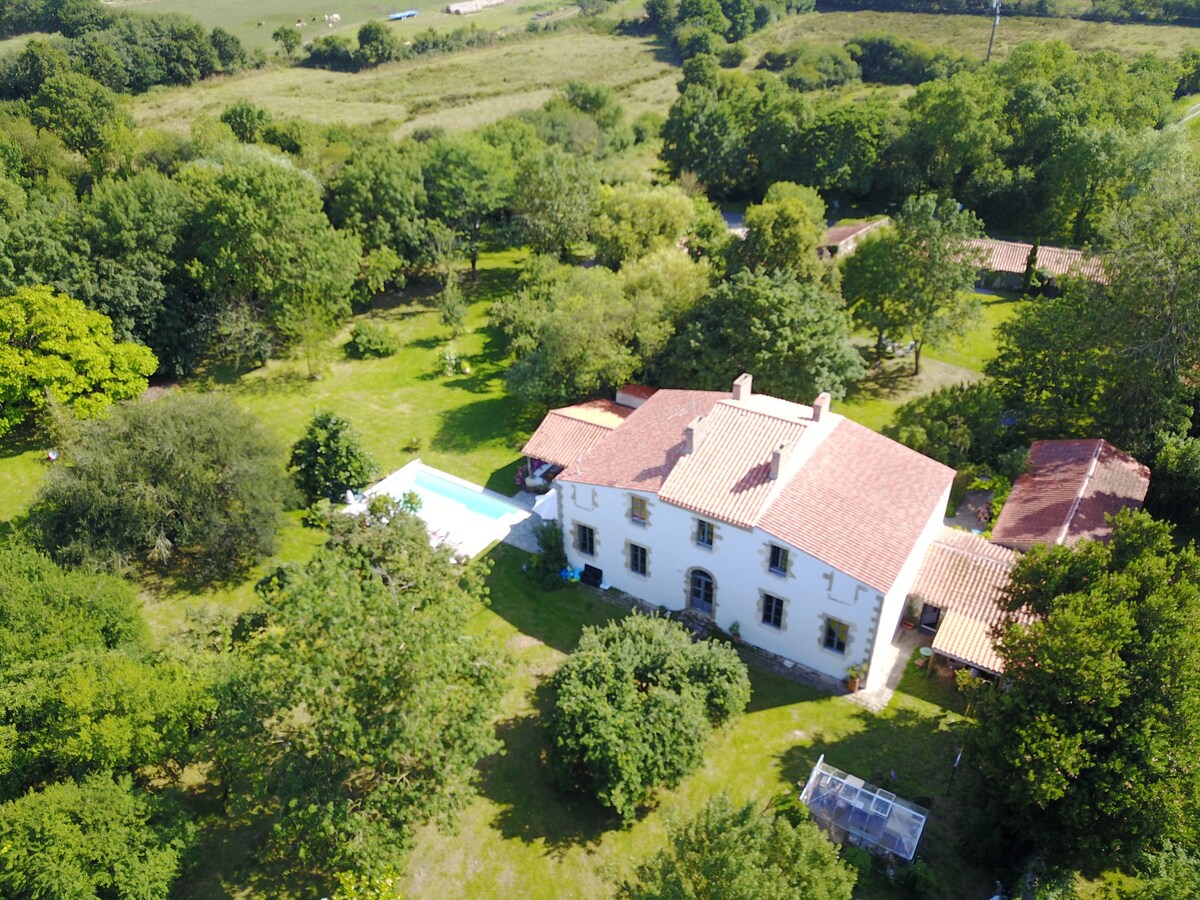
(969, 33)
(456, 91)
(242, 18)
(891, 384)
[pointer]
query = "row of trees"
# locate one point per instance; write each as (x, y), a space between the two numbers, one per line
(125, 52)
(1044, 142)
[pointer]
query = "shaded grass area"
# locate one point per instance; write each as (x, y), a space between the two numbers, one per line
(456, 91)
(890, 383)
(521, 837)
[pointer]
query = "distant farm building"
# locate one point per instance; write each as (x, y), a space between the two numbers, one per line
(1004, 263)
(842, 240)
(471, 6)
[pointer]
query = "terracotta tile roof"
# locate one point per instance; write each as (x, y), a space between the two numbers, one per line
(649, 443)
(728, 477)
(1069, 488)
(641, 391)
(1012, 256)
(838, 234)
(566, 434)
(965, 577)
(860, 503)
(848, 496)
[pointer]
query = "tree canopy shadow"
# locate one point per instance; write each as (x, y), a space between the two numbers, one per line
(519, 780)
(487, 421)
(911, 753)
(555, 618)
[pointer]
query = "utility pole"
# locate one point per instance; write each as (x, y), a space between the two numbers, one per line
(995, 25)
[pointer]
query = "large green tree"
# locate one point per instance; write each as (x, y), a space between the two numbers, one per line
(784, 231)
(90, 840)
(634, 219)
(46, 610)
(1091, 751)
(187, 483)
(259, 237)
(741, 853)
(362, 707)
(635, 704)
(79, 110)
(55, 349)
(793, 335)
(468, 183)
(379, 194)
(916, 281)
(554, 200)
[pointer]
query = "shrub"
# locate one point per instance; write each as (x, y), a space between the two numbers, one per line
(634, 706)
(318, 514)
(729, 851)
(186, 483)
(857, 859)
(369, 341)
(732, 56)
(329, 460)
(551, 558)
(246, 120)
(919, 878)
(956, 425)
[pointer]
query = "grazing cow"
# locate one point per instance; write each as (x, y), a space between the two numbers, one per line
(336, 17)
(299, 23)
(262, 24)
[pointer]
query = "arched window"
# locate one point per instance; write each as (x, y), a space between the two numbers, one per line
(701, 591)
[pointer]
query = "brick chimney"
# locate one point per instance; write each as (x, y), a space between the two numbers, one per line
(742, 386)
(693, 435)
(821, 405)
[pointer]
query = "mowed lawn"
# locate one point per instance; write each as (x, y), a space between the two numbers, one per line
(457, 91)
(522, 838)
(404, 406)
(891, 384)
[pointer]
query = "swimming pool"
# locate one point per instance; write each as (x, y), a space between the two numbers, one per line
(457, 513)
(430, 484)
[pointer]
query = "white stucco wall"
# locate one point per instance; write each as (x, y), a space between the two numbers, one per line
(897, 597)
(812, 590)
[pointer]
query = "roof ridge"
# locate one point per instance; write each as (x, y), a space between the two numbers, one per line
(1087, 480)
(739, 404)
(976, 554)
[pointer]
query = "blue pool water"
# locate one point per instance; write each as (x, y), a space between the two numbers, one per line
(426, 483)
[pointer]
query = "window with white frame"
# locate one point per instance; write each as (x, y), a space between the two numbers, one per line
(836, 634)
(704, 533)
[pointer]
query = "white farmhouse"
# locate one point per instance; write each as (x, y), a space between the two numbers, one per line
(801, 526)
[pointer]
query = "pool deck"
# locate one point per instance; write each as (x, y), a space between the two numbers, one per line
(452, 523)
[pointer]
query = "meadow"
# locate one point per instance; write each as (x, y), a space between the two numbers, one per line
(457, 91)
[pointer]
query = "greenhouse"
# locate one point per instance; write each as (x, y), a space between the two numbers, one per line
(862, 814)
